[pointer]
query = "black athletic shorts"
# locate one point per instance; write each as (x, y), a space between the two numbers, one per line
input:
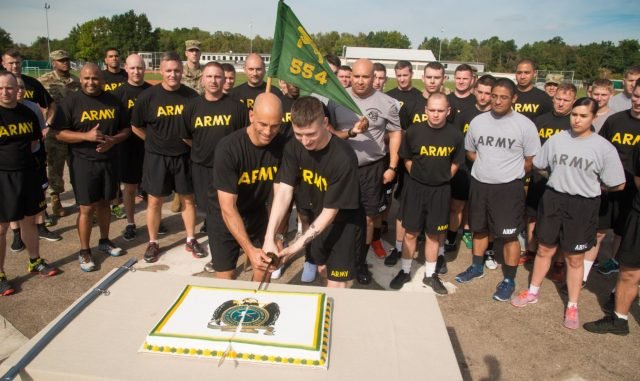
(339, 245)
(426, 208)
(130, 160)
(614, 208)
(165, 174)
(537, 187)
(41, 161)
(497, 208)
(202, 185)
(21, 195)
(93, 181)
(224, 248)
(629, 252)
(460, 184)
(568, 221)
(371, 187)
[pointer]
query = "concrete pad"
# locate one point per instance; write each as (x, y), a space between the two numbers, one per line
(10, 339)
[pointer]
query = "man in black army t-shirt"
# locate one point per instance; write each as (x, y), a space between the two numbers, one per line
(157, 118)
(245, 166)
(248, 91)
(432, 152)
(114, 75)
(92, 122)
(20, 183)
(131, 151)
(323, 171)
(531, 101)
(208, 119)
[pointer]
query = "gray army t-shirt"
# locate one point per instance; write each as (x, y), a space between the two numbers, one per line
(619, 102)
(501, 144)
(577, 166)
(382, 112)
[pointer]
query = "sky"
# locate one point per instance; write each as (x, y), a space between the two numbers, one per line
(576, 21)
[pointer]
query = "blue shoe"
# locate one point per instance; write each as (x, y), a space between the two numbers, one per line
(471, 273)
(504, 290)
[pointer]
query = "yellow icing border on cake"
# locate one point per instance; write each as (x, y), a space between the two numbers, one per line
(317, 326)
(324, 353)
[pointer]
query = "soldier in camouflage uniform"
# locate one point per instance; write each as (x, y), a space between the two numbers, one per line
(59, 82)
(193, 69)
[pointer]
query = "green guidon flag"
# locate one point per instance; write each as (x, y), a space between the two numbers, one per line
(295, 59)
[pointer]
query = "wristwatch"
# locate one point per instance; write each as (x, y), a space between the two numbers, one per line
(351, 134)
(280, 237)
(395, 169)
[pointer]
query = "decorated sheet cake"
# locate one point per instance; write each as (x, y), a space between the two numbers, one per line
(289, 328)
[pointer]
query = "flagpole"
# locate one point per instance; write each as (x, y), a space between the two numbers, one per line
(268, 89)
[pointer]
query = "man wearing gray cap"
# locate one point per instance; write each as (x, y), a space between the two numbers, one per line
(193, 69)
(59, 82)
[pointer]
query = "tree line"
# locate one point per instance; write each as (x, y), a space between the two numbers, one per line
(131, 32)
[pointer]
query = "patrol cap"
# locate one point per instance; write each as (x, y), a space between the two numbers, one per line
(554, 79)
(58, 55)
(192, 44)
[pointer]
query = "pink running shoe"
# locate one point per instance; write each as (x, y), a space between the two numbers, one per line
(571, 319)
(523, 298)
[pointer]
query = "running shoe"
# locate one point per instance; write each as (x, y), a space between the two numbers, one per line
(117, 212)
(129, 233)
(378, 249)
(490, 260)
(571, 318)
(504, 290)
(399, 280)
(5, 287)
(152, 252)
(309, 271)
(86, 262)
(467, 238)
(106, 246)
(449, 246)
(608, 324)
(48, 235)
(609, 267)
(162, 230)
(393, 257)
(17, 245)
(42, 267)
(441, 265)
(195, 249)
(523, 298)
(435, 283)
(472, 272)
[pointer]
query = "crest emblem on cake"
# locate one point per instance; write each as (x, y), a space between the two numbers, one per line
(248, 314)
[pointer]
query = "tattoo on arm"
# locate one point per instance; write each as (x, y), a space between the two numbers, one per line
(312, 233)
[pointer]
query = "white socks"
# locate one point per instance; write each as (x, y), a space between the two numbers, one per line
(430, 269)
(406, 265)
(534, 289)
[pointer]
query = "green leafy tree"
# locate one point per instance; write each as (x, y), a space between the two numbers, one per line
(133, 33)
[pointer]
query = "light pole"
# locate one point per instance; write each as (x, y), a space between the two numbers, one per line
(251, 36)
(440, 48)
(46, 15)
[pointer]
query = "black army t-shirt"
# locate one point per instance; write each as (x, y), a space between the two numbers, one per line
(160, 112)
(466, 116)
(18, 128)
(550, 124)
(623, 131)
(460, 107)
(113, 81)
(248, 171)
(417, 113)
(327, 178)
(432, 151)
(128, 94)
(80, 112)
(35, 92)
(247, 94)
(408, 100)
(533, 103)
(207, 122)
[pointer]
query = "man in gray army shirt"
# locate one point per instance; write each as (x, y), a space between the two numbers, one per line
(502, 144)
(382, 114)
(59, 82)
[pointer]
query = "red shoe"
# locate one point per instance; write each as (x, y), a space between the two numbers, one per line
(527, 257)
(378, 249)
